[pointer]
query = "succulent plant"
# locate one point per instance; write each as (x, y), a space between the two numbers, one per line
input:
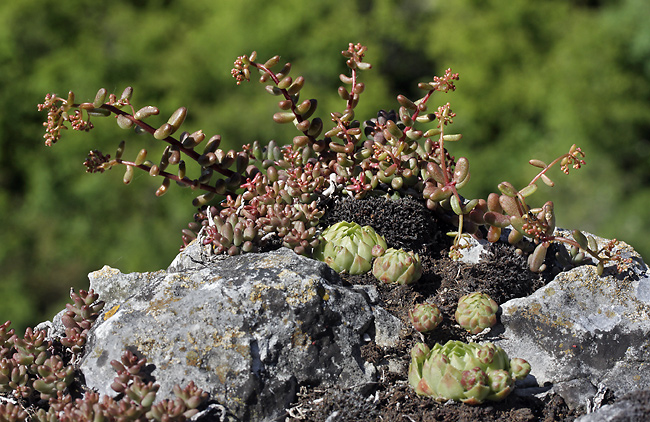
(476, 312)
(28, 366)
(276, 194)
(425, 317)
(350, 248)
(39, 373)
(466, 372)
(12, 413)
(397, 266)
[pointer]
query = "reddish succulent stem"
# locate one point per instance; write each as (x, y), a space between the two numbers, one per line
(285, 93)
(354, 84)
(185, 180)
(344, 129)
(170, 140)
(547, 168)
(417, 112)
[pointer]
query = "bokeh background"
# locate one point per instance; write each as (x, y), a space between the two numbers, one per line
(535, 77)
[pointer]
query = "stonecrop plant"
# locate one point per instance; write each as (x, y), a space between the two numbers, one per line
(39, 377)
(276, 194)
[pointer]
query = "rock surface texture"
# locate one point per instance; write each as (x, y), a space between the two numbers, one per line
(248, 329)
(584, 335)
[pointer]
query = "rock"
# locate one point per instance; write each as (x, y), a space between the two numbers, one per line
(387, 329)
(475, 251)
(248, 329)
(632, 407)
(622, 411)
(582, 330)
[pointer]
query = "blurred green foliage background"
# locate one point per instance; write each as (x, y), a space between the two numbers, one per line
(535, 77)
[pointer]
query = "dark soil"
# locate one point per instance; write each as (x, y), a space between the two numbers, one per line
(409, 225)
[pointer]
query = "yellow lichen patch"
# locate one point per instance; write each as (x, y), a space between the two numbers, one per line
(535, 308)
(309, 290)
(105, 272)
(274, 262)
(548, 292)
(257, 291)
(568, 351)
(229, 341)
(193, 359)
(161, 305)
(146, 344)
(323, 293)
(211, 283)
(153, 275)
(300, 339)
(222, 373)
(158, 306)
(536, 314)
(110, 313)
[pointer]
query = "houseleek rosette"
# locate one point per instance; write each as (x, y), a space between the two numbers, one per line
(397, 266)
(466, 372)
(425, 317)
(476, 312)
(350, 248)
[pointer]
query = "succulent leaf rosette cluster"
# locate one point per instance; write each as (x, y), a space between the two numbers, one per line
(349, 248)
(425, 317)
(397, 266)
(476, 312)
(467, 372)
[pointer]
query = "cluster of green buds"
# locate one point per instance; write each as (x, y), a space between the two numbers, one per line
(425, 317)
(397, 266)
(466, 372)
(350, 248)
(129, 381)
(54, 376)
(10, 412)
(281, 203)
(476, 312)
(30, 365)
(234, 235)
(14, 378)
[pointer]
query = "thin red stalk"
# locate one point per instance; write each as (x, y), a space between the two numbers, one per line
(185, 180)
(170, 140)
(286, 95)
(547, 168)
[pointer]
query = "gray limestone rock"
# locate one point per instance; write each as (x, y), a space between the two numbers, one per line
(632, 408)
(248, 329)
(582, 330)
